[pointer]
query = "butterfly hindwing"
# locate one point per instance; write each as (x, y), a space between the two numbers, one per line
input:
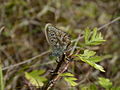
(57, 39)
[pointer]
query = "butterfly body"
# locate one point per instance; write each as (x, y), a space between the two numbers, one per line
(57, 39)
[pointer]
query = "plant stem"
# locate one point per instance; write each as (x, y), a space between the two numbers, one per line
(61, 68)
(1, 79)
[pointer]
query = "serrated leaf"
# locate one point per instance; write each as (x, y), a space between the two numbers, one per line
(99, 67)
(87, 35)
(38, 72)
(96, 59)
(93, 39)
(94, 34)
(96, 66)
(66, 74)
(33, 81)
(88, 53)
(87, 57)
(72, 78)
(104, 82)
(34, 78)
(68, 77)
(72, 82)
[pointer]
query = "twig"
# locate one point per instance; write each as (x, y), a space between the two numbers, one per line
(105, 25)
(75, 45)
(61, 68)
(26, 61)
(1, 29)
(114, 20)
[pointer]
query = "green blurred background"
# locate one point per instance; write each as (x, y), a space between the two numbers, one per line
(23, 37)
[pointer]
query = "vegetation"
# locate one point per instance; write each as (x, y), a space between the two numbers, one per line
(92, 60)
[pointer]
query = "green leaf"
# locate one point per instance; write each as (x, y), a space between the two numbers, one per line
(104, 82)
(35, 79)
(87, 35)
(88, 53)
(71, 82)
(38, 72)
(96, 59)
(93, 39)
(94, 34)
(90, 58)
(88, 87)
(1, 79)
(68, 77)
(72, 78)
(66, 74)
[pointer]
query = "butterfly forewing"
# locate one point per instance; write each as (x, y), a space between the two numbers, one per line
(57, 39)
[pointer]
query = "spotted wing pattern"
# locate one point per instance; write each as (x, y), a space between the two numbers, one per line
(57, 39)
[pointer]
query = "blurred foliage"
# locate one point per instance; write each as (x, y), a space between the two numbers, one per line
(68, 77)
(105, 82)
(94, 39)
(90, 58)
(89, 87)
(23, 38)
(1, 78)
(35, 79)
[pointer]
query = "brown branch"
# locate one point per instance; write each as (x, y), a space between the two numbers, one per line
(107, 24)
(25, 61)
(61, 68)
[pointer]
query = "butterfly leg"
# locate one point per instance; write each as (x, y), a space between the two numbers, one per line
(68, 59)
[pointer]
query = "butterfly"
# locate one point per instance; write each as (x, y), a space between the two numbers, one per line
(57, 39)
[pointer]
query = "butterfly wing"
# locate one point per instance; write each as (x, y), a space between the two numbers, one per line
(57, 39)
(51, 35)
